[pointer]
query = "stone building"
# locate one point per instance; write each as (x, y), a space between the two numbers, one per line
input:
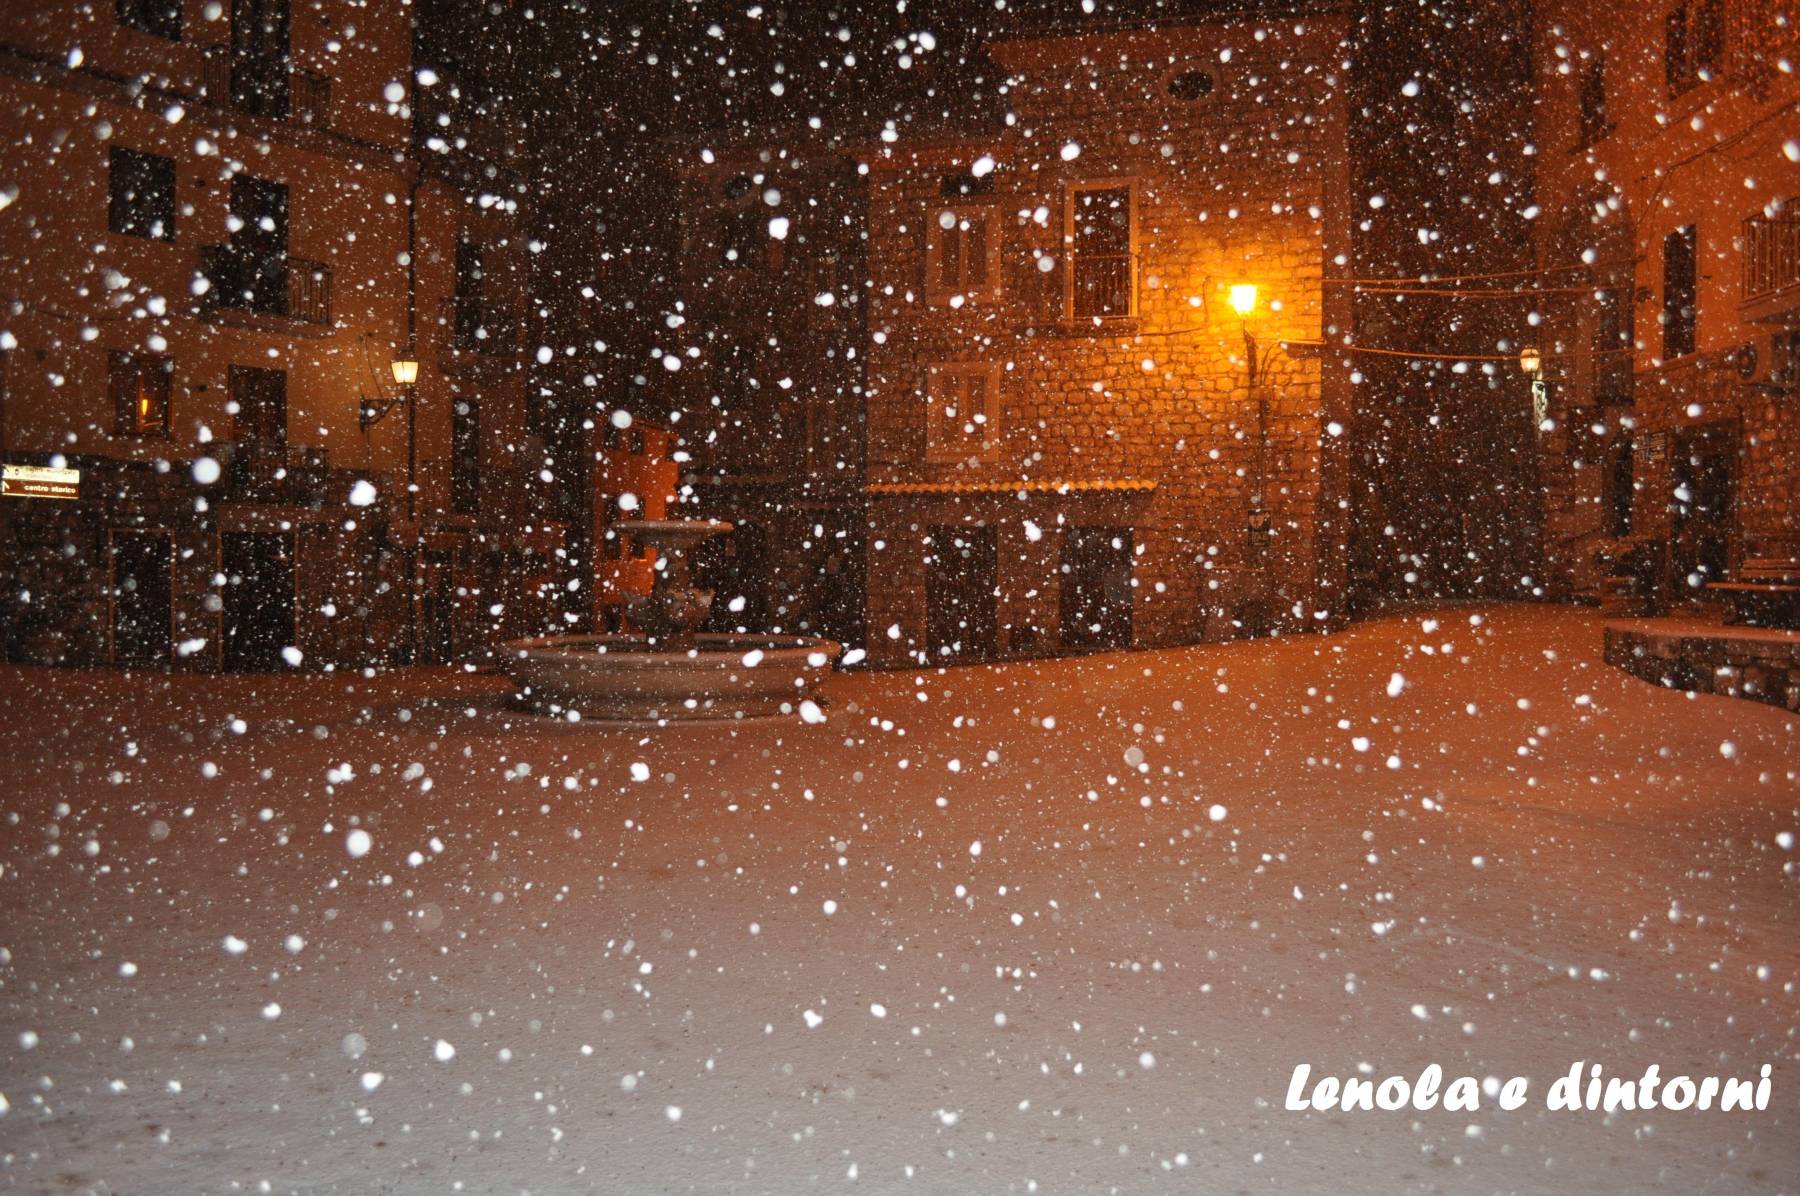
(220, 244)
(1076, 439)
(1668, 174)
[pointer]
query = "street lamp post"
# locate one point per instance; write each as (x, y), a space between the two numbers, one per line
(406, 376)
(1257, 526)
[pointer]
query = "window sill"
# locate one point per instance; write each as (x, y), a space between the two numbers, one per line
(1104, 328)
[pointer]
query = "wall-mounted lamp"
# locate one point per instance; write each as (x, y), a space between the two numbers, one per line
(373, 411)
(1243, 298)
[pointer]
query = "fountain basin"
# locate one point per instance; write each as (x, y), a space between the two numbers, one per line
(631, 677)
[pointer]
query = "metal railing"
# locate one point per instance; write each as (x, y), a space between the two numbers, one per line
(242, 279)
(276, 89)
(1101, 286)
(1771, 256)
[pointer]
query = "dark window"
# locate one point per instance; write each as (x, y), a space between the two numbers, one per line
(1594, 124)
(259, 244)
(961, 258)
(161, 18)
(465, 457)
(1191, 85)
(142, 626)
(1101, 282)
(953, 186)
(260, 415)
(1706, 37)
(260, 34)
(1693, 43)
(140, 393)
(1680, 276)
(141, 194)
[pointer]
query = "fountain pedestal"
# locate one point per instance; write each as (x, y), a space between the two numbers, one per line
(668, 669)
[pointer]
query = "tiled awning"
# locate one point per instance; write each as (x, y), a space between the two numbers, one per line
(1019, 486)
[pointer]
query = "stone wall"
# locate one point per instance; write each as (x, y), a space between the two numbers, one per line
(1246, 183)
(1761, 665)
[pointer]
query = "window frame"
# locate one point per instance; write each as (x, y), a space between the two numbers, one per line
(127, 368)
(1071, 259)
(125, 214)
(1672, 317)
(938, 377)
(937, 294)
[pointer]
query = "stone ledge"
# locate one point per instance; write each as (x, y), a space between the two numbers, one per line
(1758, 663)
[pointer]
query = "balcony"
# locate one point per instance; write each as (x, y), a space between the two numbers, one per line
(274, 89)
(1771, 286)
(282, 288)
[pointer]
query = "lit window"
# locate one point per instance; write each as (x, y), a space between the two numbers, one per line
(140, 393)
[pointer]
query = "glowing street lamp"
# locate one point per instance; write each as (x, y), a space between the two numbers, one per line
(406, 371)
(1530, 360)
(1258, 525)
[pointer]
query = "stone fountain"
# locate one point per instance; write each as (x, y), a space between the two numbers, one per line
(666, 668)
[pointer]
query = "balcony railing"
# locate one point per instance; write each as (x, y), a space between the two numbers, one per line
(277, 89)
(242, 279)
(1771, 257)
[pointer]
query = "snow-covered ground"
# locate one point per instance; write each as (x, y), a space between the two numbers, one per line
(1057, 927)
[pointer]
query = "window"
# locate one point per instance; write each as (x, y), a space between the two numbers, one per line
(140, 393)
(1594, 124)
(261, 33)
(1693, 43)
(1099, 241)
(962, 256)
(160, 18)
(1679, 313)
(962, 412)
(465, 457)
(141, 194)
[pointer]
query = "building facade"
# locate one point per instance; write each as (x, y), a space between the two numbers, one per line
(1668, 175)
(221, 244)
(1102, 406)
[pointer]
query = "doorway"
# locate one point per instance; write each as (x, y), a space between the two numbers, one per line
(1704, 504)
(261, 398)
(1095, 601)
(437, 608)
(961, 594)
(259, 599)
(259, 245)
(142, 606)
